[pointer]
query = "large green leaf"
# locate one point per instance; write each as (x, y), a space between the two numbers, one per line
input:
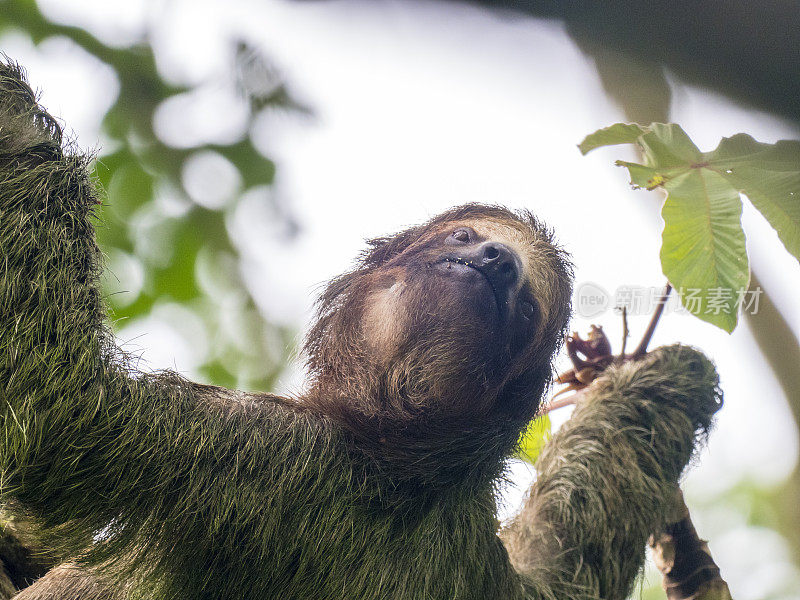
(703, 252)
(620, 133)
(667, 145)
(769, 175)
(703, 249)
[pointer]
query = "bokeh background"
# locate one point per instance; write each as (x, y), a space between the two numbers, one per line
(248, 147)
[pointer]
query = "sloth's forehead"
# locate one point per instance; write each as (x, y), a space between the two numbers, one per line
(511, 233)
(503, 232)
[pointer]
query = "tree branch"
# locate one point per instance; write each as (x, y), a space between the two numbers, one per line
(685, 561)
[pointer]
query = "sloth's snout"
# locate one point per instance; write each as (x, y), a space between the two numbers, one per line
(497, 262)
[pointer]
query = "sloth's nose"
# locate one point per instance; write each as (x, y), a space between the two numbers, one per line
(499, 263)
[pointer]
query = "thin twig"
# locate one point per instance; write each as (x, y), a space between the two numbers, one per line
(641, 349)
(625, 331)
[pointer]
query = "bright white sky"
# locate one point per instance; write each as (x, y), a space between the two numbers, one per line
(424, 105)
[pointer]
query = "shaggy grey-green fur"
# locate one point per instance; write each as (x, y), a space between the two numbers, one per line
(607, 479)
(161, 488)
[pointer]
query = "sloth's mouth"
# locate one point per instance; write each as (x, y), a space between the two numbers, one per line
(498, 301)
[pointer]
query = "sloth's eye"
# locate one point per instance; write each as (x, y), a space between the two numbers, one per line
(527, 310)
(461, 235)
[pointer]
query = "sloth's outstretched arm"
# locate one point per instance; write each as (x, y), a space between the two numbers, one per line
(91, 446)
(607, 478)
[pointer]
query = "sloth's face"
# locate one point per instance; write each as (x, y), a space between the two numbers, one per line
(464, 284)
(459, 316)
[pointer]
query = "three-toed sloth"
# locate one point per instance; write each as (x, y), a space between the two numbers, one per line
(379, 482)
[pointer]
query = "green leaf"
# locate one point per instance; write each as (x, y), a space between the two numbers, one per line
(641, 176)
(703, 247)
(534, 438)
(703, 243)
(769, 175)
(666, 146)
(620, 133)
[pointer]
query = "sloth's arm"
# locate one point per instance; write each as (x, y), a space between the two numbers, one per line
(607, 478)
(90, 445)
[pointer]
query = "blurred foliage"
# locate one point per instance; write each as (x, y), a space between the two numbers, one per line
(726, 45)
(186, 255)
